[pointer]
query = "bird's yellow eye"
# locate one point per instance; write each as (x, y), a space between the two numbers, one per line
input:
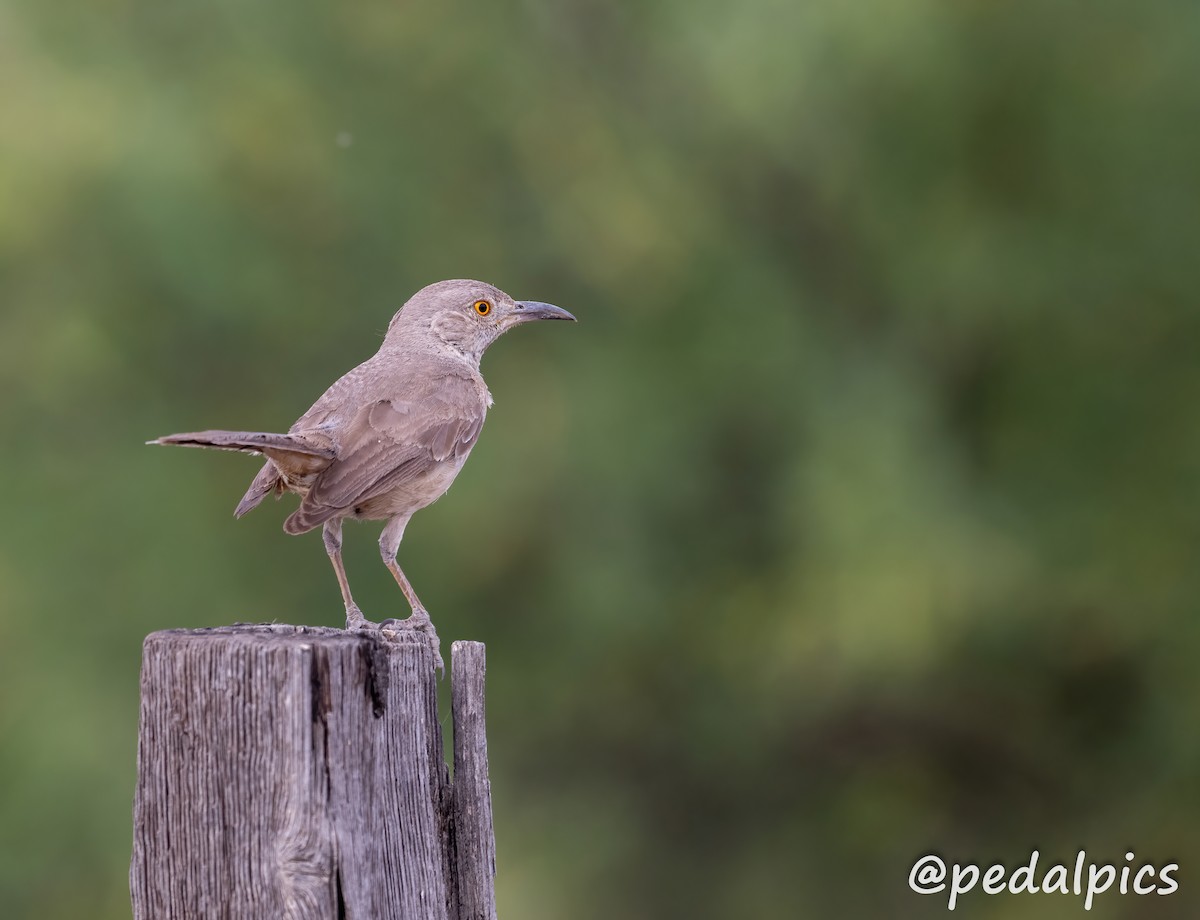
(482, 307)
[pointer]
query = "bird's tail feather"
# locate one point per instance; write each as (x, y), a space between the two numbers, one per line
(252, 442)
(266, 482)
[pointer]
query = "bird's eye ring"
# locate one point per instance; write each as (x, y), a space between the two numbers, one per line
(482, 307)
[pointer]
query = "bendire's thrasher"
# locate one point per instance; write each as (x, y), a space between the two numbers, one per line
(389, 437)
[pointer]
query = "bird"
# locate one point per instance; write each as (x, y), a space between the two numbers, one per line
(389, 437)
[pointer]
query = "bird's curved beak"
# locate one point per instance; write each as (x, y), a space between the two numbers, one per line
(526, 311)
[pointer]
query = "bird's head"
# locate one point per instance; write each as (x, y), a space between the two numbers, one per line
(465, 316)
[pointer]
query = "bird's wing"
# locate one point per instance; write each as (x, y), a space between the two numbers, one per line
(344, 391)
(392, 441)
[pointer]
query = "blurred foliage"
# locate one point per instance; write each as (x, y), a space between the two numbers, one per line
(856, 518)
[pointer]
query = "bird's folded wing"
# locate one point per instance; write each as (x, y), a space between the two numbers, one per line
(386, 444)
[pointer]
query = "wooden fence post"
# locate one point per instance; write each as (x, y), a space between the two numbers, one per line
(298, 772)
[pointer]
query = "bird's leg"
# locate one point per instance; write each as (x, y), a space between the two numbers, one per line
(332, 534)
(389, 545)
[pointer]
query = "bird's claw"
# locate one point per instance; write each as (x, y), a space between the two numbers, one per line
(419, 622)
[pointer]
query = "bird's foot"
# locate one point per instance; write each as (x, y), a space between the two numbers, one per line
(356, 620)
(419, 622)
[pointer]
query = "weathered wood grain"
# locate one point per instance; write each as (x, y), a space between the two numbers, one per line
(474, 842)
(299, 773)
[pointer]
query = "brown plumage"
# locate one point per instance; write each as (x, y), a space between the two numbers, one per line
(388, 438)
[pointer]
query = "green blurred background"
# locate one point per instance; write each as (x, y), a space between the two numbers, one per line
(857, 517)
